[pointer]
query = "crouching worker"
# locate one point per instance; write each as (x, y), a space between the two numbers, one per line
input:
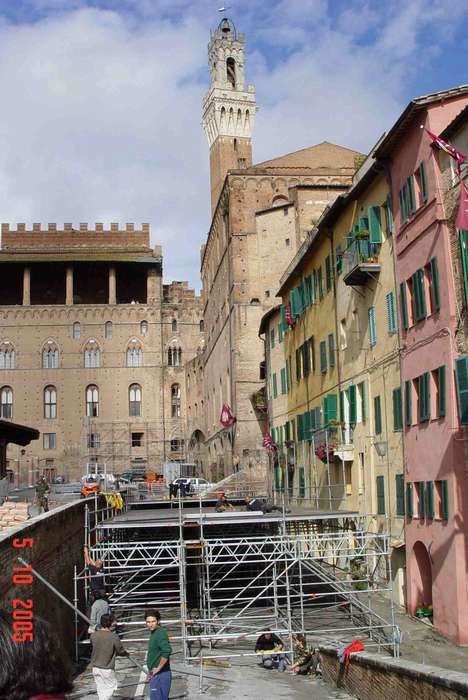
(157, 660)
(106, 646)
(267, 644)
(307, 660)
(222, 504)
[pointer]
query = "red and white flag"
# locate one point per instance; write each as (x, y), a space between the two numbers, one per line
(448, 148)
(289, 317)
(227, 417)
(268, 442)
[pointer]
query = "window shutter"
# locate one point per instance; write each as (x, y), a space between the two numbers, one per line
(283, 380)
(427, 396)
(421, 500)
(444, 505)
(411, 198)
(309, 291)
(391, 319)
(464, 258)
(284, 324)
(409, 500)
(397, 410)
(402, 206)
(272, 338)
(461, 374)
(442, 399)
(430, 500)
(419, 296)
(306, 425)
(435, 292)
(300, 433)
(380, 495)
(408, 403)
(298, 364)
(400, 494)
(404, 306)
(423, 181)
(342, 415)
(338, 260)
(275, 386)
(323, 357)
(363, 223)
(388, 202)
(328, 275)
(377, 415)
(372, 327)
(320, 282)
(331, 350)
(352, 404)
(362, 387)
(375, 226)
(280, 333)
(329, 408)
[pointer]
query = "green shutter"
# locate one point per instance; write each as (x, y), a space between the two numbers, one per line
(380, 483)
(423, 181)
(421, 500)
(329, 408)
(284, 324)
(424, 405)
(400, 494)
(409, 500)
(328, 274)
(397, 410)
(323, 357)
(372, 326)
(444, 503)
(391, 318)
(362, 391)
(461, 374)
(442, 392)
(275, 386)
(300, 431)
(404, 306)
(280, 333)
(377, 415)
(388, 205)
(411, 198)
(342, 416)
(375, 226)
(272, 338)
(309, 290)
(307, 425)
(430, 500)
(331, 350)
(338, 260)
(419, 296)
(298, 364)
(408, 403)
(464, 259)
(320, 282)
(352, 404)
(284, 387)
(435, 292)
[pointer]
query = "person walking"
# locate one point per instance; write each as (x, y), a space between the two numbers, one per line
(42, 500)
(157, 660)
(99, 608)
(106, 647)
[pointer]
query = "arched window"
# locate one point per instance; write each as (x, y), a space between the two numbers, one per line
(50, 355)
(92, 354)
(174, 325)
(50, 402)
(175, 401)
(174, 357)
(92, 401)
(7, 355)
(231, 72)
(134, 400)
(134, 354)
(108, 329)
(144, 328)
(6, 402)
(202, 326)
(76, 332)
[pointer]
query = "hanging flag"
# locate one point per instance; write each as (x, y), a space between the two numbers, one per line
(268, 442)
(462, 216)
(227, 417)
(448, 148)
(289, 318)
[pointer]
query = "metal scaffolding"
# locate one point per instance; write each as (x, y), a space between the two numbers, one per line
(220, 580)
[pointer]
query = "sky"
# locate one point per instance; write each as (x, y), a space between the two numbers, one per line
(100, 116)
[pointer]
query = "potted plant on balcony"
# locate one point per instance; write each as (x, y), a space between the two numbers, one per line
(325, 451)
(362, 234)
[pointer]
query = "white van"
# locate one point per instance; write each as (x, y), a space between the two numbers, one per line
(197, 485)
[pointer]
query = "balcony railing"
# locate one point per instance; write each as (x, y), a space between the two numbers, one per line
(360, 261)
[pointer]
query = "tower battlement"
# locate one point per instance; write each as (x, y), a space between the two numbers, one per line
(109, 236)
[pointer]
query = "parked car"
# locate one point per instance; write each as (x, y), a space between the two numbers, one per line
(196, 484)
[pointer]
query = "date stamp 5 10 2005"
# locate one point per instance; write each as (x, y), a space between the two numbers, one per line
(23, 610)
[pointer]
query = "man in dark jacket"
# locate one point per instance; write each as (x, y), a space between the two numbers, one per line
(106, 646)
(269, 642)
(157, 660)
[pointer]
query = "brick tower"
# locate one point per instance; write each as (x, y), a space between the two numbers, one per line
(228, 108)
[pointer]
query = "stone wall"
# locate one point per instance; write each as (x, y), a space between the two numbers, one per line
(369, 676)
(12, 514)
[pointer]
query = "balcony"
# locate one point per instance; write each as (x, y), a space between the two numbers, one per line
(344, 446)
(360, 262)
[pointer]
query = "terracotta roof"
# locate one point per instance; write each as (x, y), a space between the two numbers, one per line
(322, 155)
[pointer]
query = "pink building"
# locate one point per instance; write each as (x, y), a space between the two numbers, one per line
(436, 478)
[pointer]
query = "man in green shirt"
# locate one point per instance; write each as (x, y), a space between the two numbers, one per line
(157, 660)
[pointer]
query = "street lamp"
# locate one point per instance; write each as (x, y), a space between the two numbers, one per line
(381, 448)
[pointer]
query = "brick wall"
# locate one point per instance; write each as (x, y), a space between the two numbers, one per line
(12, 515)
(370, 676)
(58, 545)
(69, 237)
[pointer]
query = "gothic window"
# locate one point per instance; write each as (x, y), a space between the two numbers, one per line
(177, 445)
(134, 400)
(50, 402)
(76, 331)
(134, 354)
(144, 328)
(92, 354)
(92, 401)
(50, 355)
(202, 326)
(6, 402)
(175, 401)
(108, 329)
(174, 325)
(7, 355)
(231, 72)
(174, 357)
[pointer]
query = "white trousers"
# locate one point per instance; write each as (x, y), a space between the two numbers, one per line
(106, 682)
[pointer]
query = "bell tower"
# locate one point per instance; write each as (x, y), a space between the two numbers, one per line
(228, 108)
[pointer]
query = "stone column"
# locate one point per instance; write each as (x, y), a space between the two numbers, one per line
(112, 286)
(27, 286)
(69, 287)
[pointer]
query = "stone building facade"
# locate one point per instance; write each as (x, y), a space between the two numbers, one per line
(251, 239)
(92, 347)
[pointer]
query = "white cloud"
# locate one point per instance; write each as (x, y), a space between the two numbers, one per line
(101, 109)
